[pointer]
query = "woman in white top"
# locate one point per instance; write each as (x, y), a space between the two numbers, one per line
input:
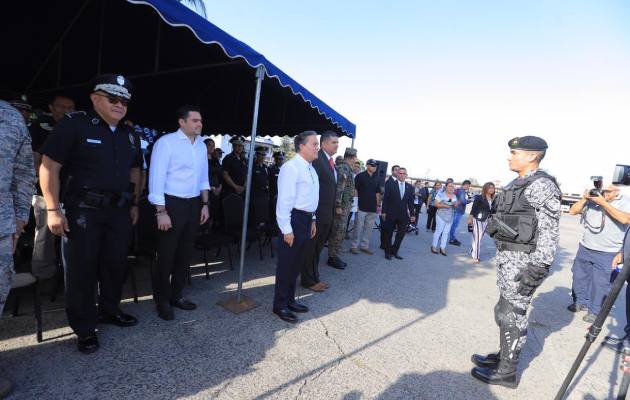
(446, 203)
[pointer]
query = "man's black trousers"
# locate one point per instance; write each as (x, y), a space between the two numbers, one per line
(388, 226)
(94, 250)
(290, 259)
(312, 254)
(175, 247)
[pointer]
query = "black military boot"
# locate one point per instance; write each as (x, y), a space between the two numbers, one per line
(504, 374)
(488, 361)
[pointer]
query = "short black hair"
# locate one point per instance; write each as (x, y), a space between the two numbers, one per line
(395, 166)
(183, 111)
(466, 182)
(59, 96)
(326, 136)
(301, 139)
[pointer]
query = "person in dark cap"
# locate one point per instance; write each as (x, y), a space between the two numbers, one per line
(24, 107)
(343, 204)
(274, 172)
(260, 175)
(526, 231)
(235, 168)
(369, 193)
(102, 162)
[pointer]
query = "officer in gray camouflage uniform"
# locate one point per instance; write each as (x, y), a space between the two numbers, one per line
(343, 204)
(17, 186)
(526, 232)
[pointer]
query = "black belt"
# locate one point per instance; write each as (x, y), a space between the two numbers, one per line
(168, 196)
(302, 212)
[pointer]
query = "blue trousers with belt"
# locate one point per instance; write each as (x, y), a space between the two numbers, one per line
(591, 277)
(291, 259)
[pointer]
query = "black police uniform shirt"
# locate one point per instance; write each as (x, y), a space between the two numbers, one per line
(274, 172)
(260, 180)
(215, 172)
(236, 168)
(92, 154)
(367, 186)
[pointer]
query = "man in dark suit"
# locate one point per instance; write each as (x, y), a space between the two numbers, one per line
(397, 212)
(324, 165)
(392, 178)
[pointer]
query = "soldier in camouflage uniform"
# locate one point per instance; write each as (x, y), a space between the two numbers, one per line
(17, 186)
(526, 231)
(343, 204)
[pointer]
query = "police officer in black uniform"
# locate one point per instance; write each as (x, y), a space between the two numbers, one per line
(274, 172)
(235, 169)
(260, 177)
(102, 161)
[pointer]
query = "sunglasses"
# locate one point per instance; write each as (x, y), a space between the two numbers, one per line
(114, 99)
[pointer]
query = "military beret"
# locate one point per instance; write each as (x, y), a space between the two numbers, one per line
(532, 143)
(116, 85)
(350, 152)
(371, 161)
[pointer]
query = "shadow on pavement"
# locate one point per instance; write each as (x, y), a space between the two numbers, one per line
(437, 385)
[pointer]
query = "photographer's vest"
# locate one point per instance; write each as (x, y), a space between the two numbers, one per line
(514, 226)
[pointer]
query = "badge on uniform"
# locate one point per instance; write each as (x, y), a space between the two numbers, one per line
(121, 80)
(93, 141)
(131, 139)
(95, 121)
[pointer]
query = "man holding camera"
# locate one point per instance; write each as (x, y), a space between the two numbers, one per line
(604, 217)
(526, 230)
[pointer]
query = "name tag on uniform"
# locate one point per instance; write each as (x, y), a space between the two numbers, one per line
(93, 141)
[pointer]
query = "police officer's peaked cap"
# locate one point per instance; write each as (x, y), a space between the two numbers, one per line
(350, 152)
(21, 104)
(116, 85)
(371, 161)
(237, 141)
(261, 150)
(531, 143)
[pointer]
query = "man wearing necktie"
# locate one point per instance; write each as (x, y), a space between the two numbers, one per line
(396, 213)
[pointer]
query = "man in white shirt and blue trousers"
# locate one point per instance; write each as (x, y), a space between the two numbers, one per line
(178, 188)
(298, 196)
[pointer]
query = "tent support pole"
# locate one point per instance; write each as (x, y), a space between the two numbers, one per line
(260, 75)
(352, 144)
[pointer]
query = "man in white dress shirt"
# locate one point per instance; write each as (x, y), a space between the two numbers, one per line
(178, 188)
(298, 196)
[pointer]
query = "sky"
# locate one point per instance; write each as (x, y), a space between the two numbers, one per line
(442, 86)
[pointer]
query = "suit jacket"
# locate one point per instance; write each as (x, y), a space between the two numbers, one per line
(481, 209)
(395, 207)
(327, 189)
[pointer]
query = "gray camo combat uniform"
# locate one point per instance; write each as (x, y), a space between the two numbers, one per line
(17, 186)
(543, 194)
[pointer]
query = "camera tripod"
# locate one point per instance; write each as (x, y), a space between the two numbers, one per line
(596, 328)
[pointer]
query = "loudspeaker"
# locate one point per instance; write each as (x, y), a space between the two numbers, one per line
(381, 173)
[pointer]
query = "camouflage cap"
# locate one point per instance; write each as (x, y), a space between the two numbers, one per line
(532, 143)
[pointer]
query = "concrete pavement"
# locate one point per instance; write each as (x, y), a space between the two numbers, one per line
(384, 330)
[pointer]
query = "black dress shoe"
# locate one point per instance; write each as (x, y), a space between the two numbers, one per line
(455, 242)
(297, 307)
(396, 256)
(121, 319)
(616, 344)
(335, 263)
(165, 311)
(492, 376)
(88, 344)
(434, 250)
(443, 252)
(183, 304)
(488, 361)
(388, 256)
(286, 315)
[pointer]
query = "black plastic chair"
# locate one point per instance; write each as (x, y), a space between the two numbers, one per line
(233, 206)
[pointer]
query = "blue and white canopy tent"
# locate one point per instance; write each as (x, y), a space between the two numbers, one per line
(172, 55)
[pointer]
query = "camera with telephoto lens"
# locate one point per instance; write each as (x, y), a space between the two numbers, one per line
(598, 182)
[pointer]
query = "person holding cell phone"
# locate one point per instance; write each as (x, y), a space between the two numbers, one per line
(446, 202)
